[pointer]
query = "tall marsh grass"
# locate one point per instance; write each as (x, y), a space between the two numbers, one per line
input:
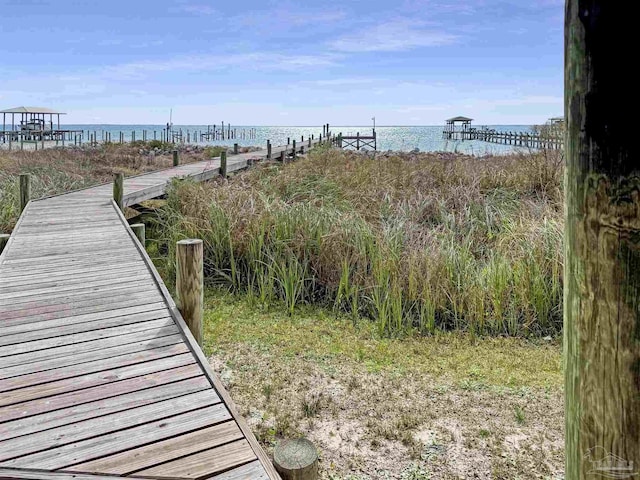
(413, 242)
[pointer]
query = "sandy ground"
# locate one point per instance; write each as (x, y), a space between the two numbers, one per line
(395, 425)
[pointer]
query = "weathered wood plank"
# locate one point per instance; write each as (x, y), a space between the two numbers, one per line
(25, 324)
(94, 379)
(49, 440)
(130, 380)
(137, 278)
(89, 449)
(145, 354)
(250, 471)
(121, 326)
(204, 463)
(69, 299)
(66, 278)
(22, 276)
(156, 453)
(34, 474)
(86, 411)
(76, 354)
(21, 364)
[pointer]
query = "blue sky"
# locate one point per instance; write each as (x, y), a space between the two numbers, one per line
(248, 62)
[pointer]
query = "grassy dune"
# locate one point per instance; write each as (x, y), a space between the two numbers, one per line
(414, 242)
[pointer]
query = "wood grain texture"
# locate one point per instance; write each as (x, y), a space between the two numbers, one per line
(602, 245)
(190, 285)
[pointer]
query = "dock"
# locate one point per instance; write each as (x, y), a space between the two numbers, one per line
(548, 137)
(99, 375)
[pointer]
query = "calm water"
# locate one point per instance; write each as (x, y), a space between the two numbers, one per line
(427, 139)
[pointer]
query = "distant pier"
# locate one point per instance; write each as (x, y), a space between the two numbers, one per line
(549, 137)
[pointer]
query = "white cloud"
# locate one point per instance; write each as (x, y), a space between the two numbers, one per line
(198, 9)
(395, 35)
(342, 82)
(203, 63)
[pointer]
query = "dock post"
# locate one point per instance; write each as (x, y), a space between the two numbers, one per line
(268, 149)
(118, 189)
(4, 238)
(235, 149)
(190, 285)
(288, 141)
(25, 190)
(139, 231)
(283, 156)
(296, 459)
(176, 158)
(223, 164)
(295, 153)
(358, 141)
(310, 140)
(602, 245)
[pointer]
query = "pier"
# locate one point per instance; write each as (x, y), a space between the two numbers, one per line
(358, 141)
(39, 127)
(100, 376)
(34, 125)
(549, 137)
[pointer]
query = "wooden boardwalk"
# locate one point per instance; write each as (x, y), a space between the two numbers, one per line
(99, 375)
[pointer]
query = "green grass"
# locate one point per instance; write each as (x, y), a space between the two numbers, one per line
(415, 243)
(318, 334)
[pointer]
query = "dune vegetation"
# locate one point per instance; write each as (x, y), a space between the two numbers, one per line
(414, 242)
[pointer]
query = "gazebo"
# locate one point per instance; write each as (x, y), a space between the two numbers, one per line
(32, 119)
(450, 131)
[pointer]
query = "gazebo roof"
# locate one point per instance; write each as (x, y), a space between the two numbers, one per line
(460, 119)
(36, 110)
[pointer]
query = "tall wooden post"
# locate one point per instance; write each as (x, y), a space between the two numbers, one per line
(223, 164)
(235, 149)
(118, 189)
(176, 158)
(602, 244)
(268, 149)
(190, 285)
(25, 190)
(295, 152)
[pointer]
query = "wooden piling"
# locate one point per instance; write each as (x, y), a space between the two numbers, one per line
(190, 285)
(602, 245)
(4, 238)
(235, 149)
(176, 158)
(223, 164)
(295, 152)
(25, 190)
(296, 459)
(118, 189)
(139, 231)
(268, 149)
